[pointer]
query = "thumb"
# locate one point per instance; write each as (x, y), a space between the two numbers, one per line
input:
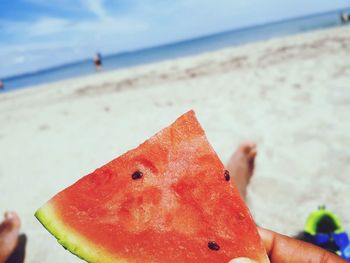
(283, 249)
(242, 260)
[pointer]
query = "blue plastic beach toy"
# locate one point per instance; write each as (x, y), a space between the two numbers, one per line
(324, 229)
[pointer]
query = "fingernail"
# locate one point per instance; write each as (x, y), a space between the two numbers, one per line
(242, 260)
(9, 215)
(264, 234)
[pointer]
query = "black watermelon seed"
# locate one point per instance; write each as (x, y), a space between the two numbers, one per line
(227, 175)
(213, 246)
(136, 175)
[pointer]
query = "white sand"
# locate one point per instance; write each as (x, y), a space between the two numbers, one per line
(291, 96)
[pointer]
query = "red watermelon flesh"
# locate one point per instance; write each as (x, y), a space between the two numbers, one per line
(167, 200)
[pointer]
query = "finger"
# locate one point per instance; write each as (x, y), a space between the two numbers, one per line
(283, 249)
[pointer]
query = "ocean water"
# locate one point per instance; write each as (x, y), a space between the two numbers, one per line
(176, 50)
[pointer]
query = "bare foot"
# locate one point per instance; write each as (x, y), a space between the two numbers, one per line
(241, 166)
(9, 229)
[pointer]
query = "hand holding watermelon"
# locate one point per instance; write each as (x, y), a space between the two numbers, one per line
(168, 200)
(283, 249)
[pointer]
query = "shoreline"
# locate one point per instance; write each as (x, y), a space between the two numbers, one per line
(170, 64)
(185, 54)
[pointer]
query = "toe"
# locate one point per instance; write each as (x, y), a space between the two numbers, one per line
(12, 219)
(251, 155)
(249, 149)
(9, 229)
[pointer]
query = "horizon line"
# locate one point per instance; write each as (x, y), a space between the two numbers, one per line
(166, 44)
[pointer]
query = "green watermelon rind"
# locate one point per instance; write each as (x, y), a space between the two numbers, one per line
(71, 240)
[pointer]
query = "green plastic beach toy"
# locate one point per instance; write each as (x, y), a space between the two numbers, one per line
(322, 218)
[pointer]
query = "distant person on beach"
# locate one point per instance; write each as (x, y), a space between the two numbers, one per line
(344, 17)
(2, 86)
(98, 61)
(280, 248)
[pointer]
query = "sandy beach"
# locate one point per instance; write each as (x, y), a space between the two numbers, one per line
(290, 95)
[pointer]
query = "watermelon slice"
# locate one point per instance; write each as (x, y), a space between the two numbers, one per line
(168, 200)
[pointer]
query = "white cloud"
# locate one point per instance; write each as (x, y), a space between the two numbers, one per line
(120, 25)
(39, 27)
(49, 41)
(55, 26)
(47, 26)
(65, 5)
(95, 6)
(18, 60)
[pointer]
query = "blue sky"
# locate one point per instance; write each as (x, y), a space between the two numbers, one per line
(36, 34)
